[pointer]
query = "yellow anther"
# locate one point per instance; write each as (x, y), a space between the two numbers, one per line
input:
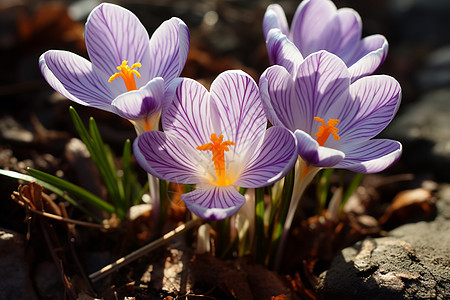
(127, 74)
(218, 148)
(325, 130)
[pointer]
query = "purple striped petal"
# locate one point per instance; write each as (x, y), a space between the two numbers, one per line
(322, 82)
(315, 155)
(271, 160)
(371, 156)
(309, 22)
(283, 52)
(168, 158)
(169, 47)
(114, 34)
(369, 55)
(372, 103)
(142, 103)
(343, 34)
(72, 76)
(240, 110)
(214, 202)
(275, 18)
(191, 117)
(276, 88)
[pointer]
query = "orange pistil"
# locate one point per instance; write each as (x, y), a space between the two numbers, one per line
(127, 74)
(218, 148)
(325, 130)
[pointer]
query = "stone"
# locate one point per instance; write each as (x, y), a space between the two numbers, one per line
(412, 262)
(15, 281)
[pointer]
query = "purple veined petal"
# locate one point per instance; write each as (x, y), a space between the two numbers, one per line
(276, 88)
(282, 51)
(371, 156)
(169, 48)
(343, 34)
(113, 35)
(240, 111)
(310, 151)
(73, 77)
(142, 103)
(369, 55)
(322, 83)
(275, 17)
(214, 202)
(372, 103)
(271, 160)
(191, 117)
(168, 158)
(310, 20)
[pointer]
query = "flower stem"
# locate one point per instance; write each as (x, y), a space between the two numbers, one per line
(155, 196)
(286, 197)
(303, 176)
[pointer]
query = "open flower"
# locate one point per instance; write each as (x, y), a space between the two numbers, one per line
(219, 141)
(334, 120)
(128, 71)
(318, 25)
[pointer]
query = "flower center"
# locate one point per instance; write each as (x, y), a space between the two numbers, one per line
(325, 130)
(127, 74)
(218, 148)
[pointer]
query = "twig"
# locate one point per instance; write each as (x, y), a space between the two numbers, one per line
(142, 251)
(28, 207)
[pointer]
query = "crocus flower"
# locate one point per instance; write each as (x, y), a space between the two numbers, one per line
(128, 71)
(217, 140)
(334, 120)
(318, 25)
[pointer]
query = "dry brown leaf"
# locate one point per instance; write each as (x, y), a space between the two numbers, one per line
(408, 206)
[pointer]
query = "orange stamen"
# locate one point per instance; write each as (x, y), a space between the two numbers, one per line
(218, 148)
(325, 130)
(127, 74)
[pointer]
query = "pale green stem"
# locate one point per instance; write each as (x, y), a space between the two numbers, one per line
(153, 189)
(304, 174)
(153, 182)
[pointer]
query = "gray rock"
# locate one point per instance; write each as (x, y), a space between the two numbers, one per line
(413, 262)
(424, 129)
(15, 282)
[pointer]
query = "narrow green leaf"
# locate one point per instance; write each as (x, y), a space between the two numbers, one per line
(108, 169)
(127, 173)
(286, 196)
(323, 188)
(354, 184)
(259, 225)
(50, 187)
(72, 189)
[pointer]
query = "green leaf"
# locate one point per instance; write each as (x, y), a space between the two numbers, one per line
(48, 186)
(72, 189)
(127, 173)
(354, 184)
(259, 226)
(103, 159)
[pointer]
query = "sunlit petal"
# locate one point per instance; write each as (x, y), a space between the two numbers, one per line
(371, 156)
(72, 76)
(169, 47)
(214, 202)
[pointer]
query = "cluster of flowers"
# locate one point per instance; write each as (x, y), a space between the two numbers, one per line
(319, 95)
